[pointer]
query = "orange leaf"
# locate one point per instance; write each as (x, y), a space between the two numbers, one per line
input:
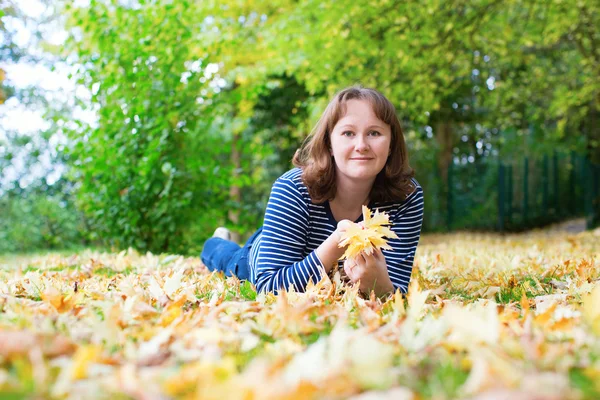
(58, 301)
(544, 317)
(525, 304)
(172, 312)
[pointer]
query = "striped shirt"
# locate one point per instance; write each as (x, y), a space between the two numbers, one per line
(284, 253)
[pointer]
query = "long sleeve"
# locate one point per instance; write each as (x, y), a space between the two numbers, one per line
(281, 262)
(407, 221)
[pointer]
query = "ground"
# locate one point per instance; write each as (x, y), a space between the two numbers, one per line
(487, 317)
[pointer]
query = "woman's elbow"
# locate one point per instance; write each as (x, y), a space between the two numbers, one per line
(264, 283)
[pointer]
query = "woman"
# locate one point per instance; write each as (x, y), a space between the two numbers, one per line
(355, 156)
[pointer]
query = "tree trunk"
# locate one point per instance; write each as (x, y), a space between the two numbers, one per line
(444, 137)
(593, 220)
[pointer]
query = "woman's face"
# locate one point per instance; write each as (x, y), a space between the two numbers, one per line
(360, 143)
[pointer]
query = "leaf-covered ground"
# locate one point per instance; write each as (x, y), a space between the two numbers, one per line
(488, 317)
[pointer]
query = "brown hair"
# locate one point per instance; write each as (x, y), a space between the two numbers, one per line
(393, 183)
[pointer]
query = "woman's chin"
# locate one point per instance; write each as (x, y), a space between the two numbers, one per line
(362, 175)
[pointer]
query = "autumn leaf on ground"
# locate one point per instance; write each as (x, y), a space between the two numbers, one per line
(368, 235)
(17, 343)
(62, 303)
(173, 330)
(591, 309)
(84, 356)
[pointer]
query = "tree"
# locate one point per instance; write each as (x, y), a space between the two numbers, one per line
(35, 201)
(539, 71)
(153, 167)
(224, 78)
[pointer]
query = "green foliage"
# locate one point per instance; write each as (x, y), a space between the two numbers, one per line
(494, 73)
(584, 382)
(152, 172)
(38, 221)
(247, 292)
(447, 377)
(201, 105)
(269, 143)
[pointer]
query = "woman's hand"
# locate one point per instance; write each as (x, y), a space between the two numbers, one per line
(329, 251)
(371, 271)
(341, 228)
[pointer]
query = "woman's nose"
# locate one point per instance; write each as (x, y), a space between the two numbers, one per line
(361, 144)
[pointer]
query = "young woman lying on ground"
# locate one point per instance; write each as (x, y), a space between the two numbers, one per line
(355, 156)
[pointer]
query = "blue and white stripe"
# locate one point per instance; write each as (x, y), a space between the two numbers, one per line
(283, 255)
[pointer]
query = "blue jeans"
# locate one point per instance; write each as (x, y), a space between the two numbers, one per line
(227, 256)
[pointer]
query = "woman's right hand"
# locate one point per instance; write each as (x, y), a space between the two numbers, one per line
(341, 228)
(330, 251)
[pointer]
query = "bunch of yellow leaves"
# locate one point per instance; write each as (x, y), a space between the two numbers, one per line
(368, 235)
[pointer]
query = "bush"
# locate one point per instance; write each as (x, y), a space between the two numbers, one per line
(38, 221)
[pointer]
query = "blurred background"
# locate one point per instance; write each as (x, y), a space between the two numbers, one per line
(147, 124)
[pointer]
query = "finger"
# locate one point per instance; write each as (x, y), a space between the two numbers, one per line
(348, 270)
(361, 259)
(344, 224)
(369, 256)
(370, 259)
(377, 253)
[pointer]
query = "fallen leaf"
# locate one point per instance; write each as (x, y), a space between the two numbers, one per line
(83, 357)
(368, 235)
(18, 343)
(591, 309)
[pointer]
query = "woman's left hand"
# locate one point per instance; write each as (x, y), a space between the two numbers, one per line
(371, 271)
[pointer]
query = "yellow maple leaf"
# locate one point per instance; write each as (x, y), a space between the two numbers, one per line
(368, 235)
(591, 309)
(62, 303)
(84, 356)
(172, 312)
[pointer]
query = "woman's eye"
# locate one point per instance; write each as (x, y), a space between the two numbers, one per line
(374, 133)
(347, 133)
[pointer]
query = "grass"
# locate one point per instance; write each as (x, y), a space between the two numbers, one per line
(589, 387)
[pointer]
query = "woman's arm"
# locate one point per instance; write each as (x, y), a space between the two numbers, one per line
(280, 263)
(406, 223)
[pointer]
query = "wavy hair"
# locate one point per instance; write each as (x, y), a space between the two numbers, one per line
(393, 183)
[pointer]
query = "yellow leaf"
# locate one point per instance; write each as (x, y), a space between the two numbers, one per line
(173, 283)
(399, 304)
(564, 324)
(490, 370)
(370, 362)
(20, 343)
(58, 301)
(154, 288)
(172, 312)
(52, 296)
(470, 326)
(84, 356)
(591, 309)
(416, 300)
(546, 315)
(367, 236)
(524, 304)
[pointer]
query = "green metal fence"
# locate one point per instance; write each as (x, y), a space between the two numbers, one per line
(521, 194)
